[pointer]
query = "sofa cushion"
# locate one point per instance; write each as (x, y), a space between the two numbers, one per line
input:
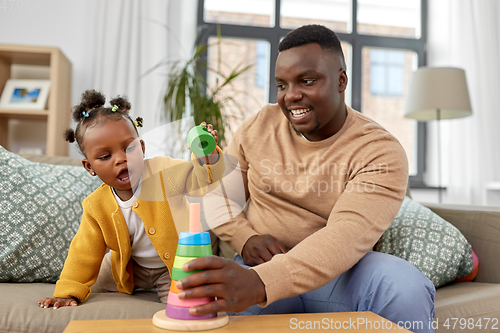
(23, 314)
(40, 211)
(433, 245)
(481, 226)
(460, 304)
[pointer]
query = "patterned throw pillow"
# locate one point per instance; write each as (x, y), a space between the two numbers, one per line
(40, 211)
(436, 247)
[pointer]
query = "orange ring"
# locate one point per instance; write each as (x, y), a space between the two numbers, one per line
(173, 288)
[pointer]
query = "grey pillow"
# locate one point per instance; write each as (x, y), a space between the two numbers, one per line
(434, 246)
(40, 211)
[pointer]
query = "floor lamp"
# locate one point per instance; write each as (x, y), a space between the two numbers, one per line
(438, 93)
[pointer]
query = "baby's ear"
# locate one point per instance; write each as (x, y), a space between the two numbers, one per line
(88, 167)
(143, 146)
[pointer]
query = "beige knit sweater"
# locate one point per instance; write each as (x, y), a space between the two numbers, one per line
(328, 201)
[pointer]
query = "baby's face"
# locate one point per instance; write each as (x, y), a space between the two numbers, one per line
(115, 153)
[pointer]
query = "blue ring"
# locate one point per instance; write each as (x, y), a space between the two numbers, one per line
(194, 238)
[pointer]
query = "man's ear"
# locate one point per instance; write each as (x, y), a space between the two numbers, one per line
(88, 167)
(342, 80)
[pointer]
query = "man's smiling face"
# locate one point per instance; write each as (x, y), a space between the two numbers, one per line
(311, 84)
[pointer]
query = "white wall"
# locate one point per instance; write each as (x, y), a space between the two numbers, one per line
(60, 23)
(68, 25)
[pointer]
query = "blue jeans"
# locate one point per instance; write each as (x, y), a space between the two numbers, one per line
(384, 284)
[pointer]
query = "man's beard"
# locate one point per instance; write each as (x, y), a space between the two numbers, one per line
(311, 132)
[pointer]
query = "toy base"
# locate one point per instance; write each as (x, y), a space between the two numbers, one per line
(161, 320)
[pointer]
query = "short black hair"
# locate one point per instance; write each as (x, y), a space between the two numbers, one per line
(313, 33)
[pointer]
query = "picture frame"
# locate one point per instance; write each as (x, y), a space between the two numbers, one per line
(25, 94)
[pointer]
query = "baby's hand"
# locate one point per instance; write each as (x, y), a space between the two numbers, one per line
(57, 302)
(214, 133)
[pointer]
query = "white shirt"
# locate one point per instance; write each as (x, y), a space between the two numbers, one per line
(142, 249)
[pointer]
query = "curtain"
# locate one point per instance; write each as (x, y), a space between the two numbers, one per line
(466, 34)
(130, 38)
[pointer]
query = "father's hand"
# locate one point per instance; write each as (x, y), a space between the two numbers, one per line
(261, 248)
(235, 287)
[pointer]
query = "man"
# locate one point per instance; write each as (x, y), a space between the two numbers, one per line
(323, 183)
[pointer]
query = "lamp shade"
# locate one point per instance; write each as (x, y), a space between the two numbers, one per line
(438, 88)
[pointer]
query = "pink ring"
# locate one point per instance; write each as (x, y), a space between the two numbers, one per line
(173, 299)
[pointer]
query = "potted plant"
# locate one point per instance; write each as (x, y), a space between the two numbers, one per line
(189, 94)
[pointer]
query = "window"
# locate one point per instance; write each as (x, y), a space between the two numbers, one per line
(261, 65)
(389, 18)
(250, 90)
(385, 80)
(387, 72)
(383, 42)
(255, 13)
(335, 14)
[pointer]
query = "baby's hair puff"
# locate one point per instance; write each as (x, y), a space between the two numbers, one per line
(91, 112)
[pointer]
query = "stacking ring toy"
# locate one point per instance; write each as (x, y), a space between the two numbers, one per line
(201, 142)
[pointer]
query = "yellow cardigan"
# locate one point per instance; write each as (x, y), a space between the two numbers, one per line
(103, 225)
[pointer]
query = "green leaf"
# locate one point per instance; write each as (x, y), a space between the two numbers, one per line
(186, 83)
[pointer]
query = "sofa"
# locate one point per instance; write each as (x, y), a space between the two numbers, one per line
(465, 306)
(460, 306)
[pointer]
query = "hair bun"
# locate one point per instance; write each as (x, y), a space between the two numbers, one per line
(122, 103)
(69, 135)
(90, 99)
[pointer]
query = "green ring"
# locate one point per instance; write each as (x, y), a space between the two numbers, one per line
(194, 250)
(201, 142)
(178, 274)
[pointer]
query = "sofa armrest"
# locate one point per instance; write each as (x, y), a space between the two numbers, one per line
(481, 226)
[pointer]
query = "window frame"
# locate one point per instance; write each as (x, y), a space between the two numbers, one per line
(357, 41)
